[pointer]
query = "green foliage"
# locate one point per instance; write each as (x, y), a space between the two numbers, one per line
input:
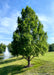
(2, 47)
(10, 47)
(51, 47)
(29, 38)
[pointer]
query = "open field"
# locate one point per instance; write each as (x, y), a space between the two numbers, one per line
(42, 65)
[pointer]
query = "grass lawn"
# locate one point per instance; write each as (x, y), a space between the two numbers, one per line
(1, 54)
(42, 65)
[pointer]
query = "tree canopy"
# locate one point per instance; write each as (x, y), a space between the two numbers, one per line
(10, 47)
(2, 47)
(29, 39)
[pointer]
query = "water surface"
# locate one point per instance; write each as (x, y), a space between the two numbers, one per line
(6, 54)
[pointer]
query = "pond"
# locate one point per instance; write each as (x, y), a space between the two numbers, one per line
(6, 54)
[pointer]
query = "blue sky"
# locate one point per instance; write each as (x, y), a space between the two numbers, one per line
(11, 9)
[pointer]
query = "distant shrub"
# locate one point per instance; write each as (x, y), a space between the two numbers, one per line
(51, 47)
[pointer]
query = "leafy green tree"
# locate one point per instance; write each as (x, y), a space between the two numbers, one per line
(51, 47)
(10, 47)
(2, 47)
(29, 39)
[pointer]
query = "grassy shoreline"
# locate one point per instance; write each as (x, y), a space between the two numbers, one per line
(42, 65)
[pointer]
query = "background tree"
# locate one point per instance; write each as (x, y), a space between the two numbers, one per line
(10, 47)
(29, 39)
(2, 47)
(14, 49)
(51, 47)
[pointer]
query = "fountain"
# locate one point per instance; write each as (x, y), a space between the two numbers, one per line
(7, 53)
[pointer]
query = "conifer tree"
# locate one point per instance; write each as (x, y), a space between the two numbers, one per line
(29, 39)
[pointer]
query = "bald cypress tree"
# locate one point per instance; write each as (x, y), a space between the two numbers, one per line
(29, 39)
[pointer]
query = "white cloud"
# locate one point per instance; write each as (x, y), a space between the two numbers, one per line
(51, 40)
(48, 22)
(4, 21)
(5, 42)
(8, 26)
(9, 23)
(43, 18)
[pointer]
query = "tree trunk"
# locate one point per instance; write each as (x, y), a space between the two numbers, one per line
(23, 56)
(29, 61)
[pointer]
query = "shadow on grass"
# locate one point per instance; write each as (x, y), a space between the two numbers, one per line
(12, 70)
(10, 60)
(40, 66)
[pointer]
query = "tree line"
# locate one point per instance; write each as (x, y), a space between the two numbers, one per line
(51, 47)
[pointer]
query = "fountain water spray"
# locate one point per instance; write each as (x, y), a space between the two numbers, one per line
(7, 53)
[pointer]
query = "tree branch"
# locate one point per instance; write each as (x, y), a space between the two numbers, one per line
(32, 57)
(25, 58)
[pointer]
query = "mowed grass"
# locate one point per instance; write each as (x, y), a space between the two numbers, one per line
(1, 54)
(48, 57)
(42, 65)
